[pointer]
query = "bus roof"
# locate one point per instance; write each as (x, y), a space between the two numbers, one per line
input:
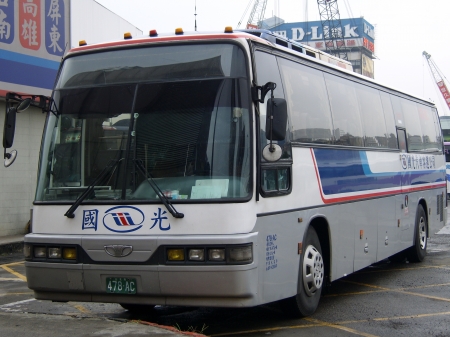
(258, 35)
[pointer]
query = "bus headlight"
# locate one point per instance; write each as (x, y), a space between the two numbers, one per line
(241, 254)
(196, 254)
(54, 253)
(216, 254)
(40, 252)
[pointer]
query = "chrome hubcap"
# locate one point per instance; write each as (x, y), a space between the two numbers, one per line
(422, 233)
(313, 270)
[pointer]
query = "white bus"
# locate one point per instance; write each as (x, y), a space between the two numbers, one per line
(224, 169)
(445, 126)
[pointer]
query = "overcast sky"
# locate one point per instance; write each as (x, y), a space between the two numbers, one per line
(404, 29)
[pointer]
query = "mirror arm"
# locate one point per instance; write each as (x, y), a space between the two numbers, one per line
(269, 86)
(271, 147)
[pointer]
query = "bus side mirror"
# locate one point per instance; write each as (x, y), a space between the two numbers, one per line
(9, 129)
(276, 123)
(276, 119)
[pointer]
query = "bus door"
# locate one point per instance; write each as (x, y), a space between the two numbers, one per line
(405, 210)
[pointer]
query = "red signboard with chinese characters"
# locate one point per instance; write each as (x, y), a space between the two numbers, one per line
(30, 24)
(368, 45)
(444, 91)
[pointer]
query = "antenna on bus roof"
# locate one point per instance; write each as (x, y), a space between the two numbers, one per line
(195, 15)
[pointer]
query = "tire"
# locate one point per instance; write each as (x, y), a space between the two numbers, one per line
(418, 251)
(137, 308)
(310, 280)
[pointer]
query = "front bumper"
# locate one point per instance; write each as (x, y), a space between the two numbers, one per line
(156, 283)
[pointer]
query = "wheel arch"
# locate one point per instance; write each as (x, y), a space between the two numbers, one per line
(321, 226)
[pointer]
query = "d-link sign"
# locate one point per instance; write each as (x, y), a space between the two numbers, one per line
(123, 219)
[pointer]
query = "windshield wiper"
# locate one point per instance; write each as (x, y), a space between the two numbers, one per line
(107, 170)
(155, 187)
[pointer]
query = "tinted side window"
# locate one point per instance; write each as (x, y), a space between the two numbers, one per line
(398, 112)
(267, 71)
(429, 136)
(390, 120)
(372, 116)
(345, 111)
(413, 128)
(307, 101)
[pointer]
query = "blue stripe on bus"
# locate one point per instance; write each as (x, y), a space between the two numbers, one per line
(27, 74)
(346, 171)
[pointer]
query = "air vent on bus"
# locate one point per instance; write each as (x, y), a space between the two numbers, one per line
(299, 49)
(282, 43)
(280, 40)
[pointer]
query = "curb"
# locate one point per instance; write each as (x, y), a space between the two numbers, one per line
(170, 328)
(11, 247)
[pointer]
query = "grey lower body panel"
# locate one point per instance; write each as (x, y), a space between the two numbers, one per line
(224, 287)
(191, 285)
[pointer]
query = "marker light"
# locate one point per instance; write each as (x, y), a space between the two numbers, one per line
(82, 43)
(69, 253)
(27, 250)
(176, 254)
(127, 36)
(179, 31)
(153, 32)
(228, 29)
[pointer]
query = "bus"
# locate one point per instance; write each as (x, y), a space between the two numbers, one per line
(227, 169)
(447, 166)
(445, 126)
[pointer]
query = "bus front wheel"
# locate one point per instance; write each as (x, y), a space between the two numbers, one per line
(418, 251)
(310, 280)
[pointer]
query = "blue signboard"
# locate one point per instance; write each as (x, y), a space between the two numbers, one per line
(356, 32)
(33, 38)
(313, 31)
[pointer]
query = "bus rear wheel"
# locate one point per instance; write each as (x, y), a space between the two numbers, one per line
(418, 251)
(310, 280)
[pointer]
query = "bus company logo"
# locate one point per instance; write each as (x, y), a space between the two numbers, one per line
(123, 219)
(418, 162)
(90, 218)
(404, 162)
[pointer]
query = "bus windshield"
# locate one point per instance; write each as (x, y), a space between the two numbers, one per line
(180, 112)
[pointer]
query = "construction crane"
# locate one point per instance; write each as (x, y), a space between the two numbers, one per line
(438, 78)
(256, 15)
(332, 28)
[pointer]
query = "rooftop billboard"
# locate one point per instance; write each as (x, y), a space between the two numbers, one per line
(357, 32)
